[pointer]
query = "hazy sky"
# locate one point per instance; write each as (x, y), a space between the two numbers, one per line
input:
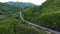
(38, 2)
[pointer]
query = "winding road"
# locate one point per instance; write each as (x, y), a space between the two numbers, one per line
(35, 25)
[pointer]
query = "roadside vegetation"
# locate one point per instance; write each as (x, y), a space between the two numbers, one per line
(14, 25)
(47, 15)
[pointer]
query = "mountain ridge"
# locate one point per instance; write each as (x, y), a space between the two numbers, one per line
(20, 4)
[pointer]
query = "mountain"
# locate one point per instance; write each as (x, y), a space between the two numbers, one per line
(20, 4)
(14, 25)
(7, 11)
(47, 14)
(9, 8)
(50, 5)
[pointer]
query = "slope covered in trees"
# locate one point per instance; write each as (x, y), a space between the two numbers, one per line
(14, 25)
(47, 15)
(9, 8)
(7, 11)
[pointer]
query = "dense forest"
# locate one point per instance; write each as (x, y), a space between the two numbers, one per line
(14, 25)
(46, 15)
(10, 22)
(7, 11)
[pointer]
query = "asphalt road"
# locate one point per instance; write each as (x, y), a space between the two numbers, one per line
(38, 26)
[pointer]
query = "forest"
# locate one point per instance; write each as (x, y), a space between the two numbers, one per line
(47, 15)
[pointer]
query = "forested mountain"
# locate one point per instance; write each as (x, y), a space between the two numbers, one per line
(9, 8)
(10, 22)
(47, 15)
(14, 25)
(7, 11)
(20, 4)
(50, 5)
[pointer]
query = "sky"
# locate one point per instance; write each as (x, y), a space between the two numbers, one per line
(38, 2)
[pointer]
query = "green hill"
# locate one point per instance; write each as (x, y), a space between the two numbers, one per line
(11, 23)
(14, 25)
(7, 11)
(50, 6)
(47, 15)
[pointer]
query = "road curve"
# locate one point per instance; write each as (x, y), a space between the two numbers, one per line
(43, 28)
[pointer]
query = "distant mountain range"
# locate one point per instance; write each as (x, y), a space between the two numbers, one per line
(20, 4)
(9, 8)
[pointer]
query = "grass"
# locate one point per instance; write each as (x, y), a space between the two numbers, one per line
(1, 16)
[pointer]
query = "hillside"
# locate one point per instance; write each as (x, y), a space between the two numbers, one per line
(22, 5)
(10, 22)
(50, 5)
(14, 25)
(7, 11)
(47, 15)
(9, 8)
